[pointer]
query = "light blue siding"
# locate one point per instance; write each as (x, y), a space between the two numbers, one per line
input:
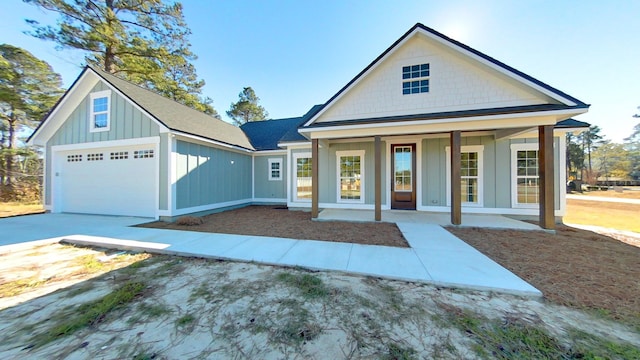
(265, 188)
(127, 122)
(207, 175)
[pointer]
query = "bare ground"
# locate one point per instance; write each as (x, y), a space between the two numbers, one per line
(195, 308)
(277, 221)
(573, 267)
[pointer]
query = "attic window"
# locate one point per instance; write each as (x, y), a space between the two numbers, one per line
(415, 79)
(100, 111)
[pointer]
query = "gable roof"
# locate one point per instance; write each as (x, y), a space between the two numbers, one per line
(169, 113)
(176, 116)
(571, 124)
(267, 134)
(568, 101)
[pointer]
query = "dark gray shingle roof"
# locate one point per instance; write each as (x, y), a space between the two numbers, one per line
(176, 116)
(265, 135)
(571, 123)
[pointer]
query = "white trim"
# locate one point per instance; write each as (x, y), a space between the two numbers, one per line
(467, 148)
(92, 113)
(514, 168)
(361, 154)
(214, 142)
(353, 206)
(295, 145)
(269, 200)
(253, 177)
(110, 143)
(269, 152)
(294, 181)
(546, 119)
(173, 178)
(562, 168)
(483, 210)
(289, 186)
(271, 161)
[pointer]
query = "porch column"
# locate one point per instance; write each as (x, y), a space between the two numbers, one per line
(314, 178)
(378, 178)
(546, 177)
(456, 185)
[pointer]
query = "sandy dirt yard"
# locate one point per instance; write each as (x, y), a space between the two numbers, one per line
(162, 307)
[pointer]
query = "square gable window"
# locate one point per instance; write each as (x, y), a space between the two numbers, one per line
(415, 79)
(99, 117)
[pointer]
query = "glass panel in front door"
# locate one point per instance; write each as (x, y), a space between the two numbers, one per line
(403, 168)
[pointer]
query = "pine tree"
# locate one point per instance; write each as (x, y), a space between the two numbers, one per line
(145, 42)
(247, 109)
(28, 89)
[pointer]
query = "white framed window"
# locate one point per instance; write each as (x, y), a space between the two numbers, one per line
(100, 110)
(74, 158)
(119, 155)
(275, 169)
(524, 175)
(95, 157)
(350, 176)
(415, 79)
(471, 175)
(302, 177)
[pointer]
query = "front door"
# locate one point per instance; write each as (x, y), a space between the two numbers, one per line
(403, 177)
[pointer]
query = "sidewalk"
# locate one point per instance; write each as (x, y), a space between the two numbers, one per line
(435, 257)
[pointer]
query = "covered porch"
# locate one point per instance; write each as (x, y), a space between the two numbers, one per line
(389, 196)
(422, 217)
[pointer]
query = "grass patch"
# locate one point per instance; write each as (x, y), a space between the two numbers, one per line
(399, 352)
(89, 263)
(309, 285)
(618, 216)
(90, 313)
(15, 208)
(511, 338)
(17, 287)
(201, 292)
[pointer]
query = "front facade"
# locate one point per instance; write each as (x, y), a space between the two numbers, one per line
(430, 125)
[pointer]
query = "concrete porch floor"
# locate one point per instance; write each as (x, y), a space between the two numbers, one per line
(422, 217)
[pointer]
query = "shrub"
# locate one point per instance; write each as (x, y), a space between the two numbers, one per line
(189, 221)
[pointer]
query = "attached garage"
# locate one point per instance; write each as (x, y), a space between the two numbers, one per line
(117, 180)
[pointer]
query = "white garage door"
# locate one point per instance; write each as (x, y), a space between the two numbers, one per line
(110, 181)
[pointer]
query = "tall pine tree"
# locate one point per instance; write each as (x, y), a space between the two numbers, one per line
(247, 109)
(28, 89)
(143, 41)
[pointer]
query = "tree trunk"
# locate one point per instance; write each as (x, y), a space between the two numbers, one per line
(109, 51)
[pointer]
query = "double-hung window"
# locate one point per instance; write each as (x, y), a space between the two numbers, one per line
(415, 79)
(350, 170)
(471, 178)
(524, 174)
(100, 111)
(302, 176)
(275, 169)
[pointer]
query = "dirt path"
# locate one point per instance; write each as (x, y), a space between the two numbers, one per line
(194, 308)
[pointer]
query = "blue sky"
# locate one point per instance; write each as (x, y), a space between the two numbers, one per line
(299, 53)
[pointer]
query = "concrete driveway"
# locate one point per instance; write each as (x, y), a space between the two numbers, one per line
(19, 229)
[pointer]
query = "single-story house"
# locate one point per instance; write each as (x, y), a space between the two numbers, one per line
(430, 125)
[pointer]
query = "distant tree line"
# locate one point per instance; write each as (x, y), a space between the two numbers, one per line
(592, 158)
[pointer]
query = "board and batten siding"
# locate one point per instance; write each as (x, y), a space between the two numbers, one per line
(207, 175)
(264, 188)
(497, 181)
(127, 122)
